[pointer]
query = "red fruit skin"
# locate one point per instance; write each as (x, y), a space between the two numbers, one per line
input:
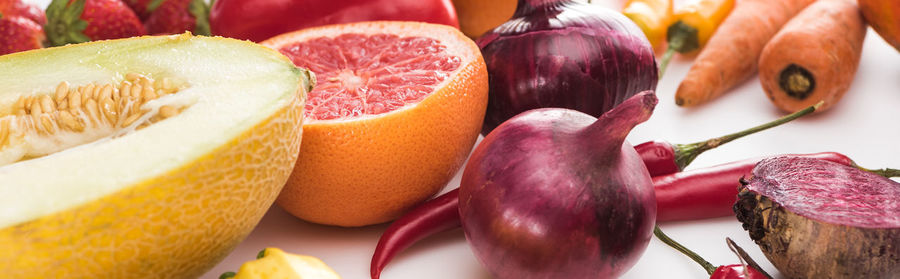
(139, 7)
(18, 33)
(110, 19)
(20, 8)
(258, 20)
(171, 17)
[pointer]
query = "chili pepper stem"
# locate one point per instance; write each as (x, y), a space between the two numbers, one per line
(710, 268)
(664, 61)
(745, 259)
(686, 153)
(681, 38)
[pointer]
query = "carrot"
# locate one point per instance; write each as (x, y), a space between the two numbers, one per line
(814, 57)
(731, 54)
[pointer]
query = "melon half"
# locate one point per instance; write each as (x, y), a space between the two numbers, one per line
(148, 157)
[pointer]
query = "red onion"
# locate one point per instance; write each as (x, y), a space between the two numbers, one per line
(555, 193)
(563, 53)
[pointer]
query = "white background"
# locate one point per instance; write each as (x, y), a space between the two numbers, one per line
(863, 126)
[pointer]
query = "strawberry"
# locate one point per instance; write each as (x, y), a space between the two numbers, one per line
(78, 21)
(19, 33)
(143, 8)
(21, 26)
(20, 8)
(178, 16)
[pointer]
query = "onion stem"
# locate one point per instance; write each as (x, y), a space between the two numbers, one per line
(710, 268)
(686, 153)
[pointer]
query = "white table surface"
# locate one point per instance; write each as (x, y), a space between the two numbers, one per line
(863, 126)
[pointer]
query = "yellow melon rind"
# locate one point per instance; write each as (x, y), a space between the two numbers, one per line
(177, 225)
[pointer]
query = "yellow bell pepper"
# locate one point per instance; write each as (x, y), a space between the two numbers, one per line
(694, 24)
(653, 17)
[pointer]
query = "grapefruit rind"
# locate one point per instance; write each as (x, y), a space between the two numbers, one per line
(372, 169)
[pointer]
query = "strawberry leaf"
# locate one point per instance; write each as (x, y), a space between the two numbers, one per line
(153, 5)
(64, 23)
(200, 11)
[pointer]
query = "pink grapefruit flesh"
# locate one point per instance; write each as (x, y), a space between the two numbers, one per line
(361, 74)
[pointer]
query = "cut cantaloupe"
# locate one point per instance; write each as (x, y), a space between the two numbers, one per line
(128, 181)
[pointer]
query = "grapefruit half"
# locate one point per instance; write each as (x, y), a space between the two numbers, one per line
(397, 108)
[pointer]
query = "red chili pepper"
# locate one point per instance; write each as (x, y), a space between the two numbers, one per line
(711, 192)
(664, 158)
(437, 215)
(736, 271)
(748, 270)
(659, 157)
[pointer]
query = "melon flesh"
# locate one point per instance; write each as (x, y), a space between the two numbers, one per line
(127, 205)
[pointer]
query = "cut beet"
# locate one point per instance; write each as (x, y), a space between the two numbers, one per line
(818, 219)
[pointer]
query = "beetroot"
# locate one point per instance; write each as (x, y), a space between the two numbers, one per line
(818, 219)
(556, 193)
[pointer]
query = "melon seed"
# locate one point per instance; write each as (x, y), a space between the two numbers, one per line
(167, 111)
(62, 90)
(75, 100)
(75, 109)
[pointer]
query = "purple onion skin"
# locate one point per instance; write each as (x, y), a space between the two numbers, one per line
(566, 54)
(556, 193)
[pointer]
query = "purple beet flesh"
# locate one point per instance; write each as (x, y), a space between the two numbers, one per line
(819, 219)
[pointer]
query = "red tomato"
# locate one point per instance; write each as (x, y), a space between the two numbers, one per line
(258, 20)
